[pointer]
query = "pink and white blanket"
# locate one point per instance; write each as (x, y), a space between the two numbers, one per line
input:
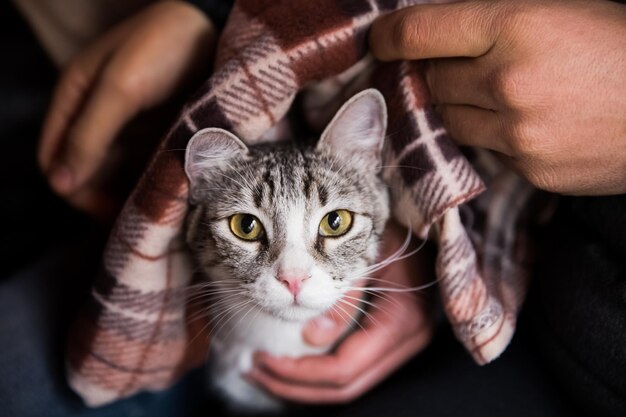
(134, 334)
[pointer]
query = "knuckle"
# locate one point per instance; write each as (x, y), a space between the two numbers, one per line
(543, 178)
(343, 375)
(126, 84)
(431, 79)
(536, 153)
(73, 80)
(522, 141)
(78, 152)
(510, 86)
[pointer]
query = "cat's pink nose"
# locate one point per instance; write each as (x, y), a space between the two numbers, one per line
(293, 282)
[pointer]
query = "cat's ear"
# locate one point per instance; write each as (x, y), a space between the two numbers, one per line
(209, 149)
(358, 129)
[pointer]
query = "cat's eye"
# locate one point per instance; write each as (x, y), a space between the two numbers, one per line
(335, 223)
(246, 226)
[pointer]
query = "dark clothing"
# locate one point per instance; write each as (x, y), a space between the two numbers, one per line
(217, 10)
(34, 217)
(581, 301)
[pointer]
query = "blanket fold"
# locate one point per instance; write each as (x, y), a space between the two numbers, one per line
(135, 334)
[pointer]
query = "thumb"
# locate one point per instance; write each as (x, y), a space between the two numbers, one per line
(324, 330)
(467, 29)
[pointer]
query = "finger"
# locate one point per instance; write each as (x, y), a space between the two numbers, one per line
(392, 319)
(327, 328)
(104, 114)
(474, 126)
(70, 93)
(328, 394)
(97, 203)
(458, 81)
(466, 29)
(67, 98)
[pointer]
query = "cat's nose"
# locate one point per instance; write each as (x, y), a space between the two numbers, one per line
(293, 282)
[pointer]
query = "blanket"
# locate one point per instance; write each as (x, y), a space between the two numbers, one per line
(135, 335)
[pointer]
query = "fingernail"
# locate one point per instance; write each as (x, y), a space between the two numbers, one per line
(251, 376)
(62, 179)
(257, 357)
(320, 331)
(324, 323)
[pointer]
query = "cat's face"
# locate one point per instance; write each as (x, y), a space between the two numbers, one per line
(290, 228)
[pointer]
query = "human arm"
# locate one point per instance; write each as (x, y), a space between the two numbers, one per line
(135, 66)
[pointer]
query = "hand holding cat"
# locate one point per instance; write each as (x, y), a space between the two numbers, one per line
(137, 65)
(396, 328)
(541, 83)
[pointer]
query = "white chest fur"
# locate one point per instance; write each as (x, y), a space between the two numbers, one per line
(233, 348)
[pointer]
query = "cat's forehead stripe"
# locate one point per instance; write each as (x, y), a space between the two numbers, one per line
(322, 193)
(259, 192)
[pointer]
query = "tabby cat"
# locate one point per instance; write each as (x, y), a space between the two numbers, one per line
(280, 232)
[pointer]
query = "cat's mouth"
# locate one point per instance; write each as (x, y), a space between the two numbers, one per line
(294, 312)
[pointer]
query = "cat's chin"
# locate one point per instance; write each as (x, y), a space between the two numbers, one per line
(295, 313)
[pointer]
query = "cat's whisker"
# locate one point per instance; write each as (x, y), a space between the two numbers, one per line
(391, 298)
(352, 318)
(361, 310)
(206, 312)
(370, 316)
(228, 298)
(369, 303)
(209, 294)
(252, 307)
(219, 300)
(206, 291)
(214, 290)
(374, 293)
(258, 311)
(232, 179)
(349, 320)
(402, 249)
(222, 287)
(230, 316)
(399, 290)
(211, 283)
(384, 281)
(202, 329)
(398, 255)
(222, 312)
(209, 297)
(254, 190)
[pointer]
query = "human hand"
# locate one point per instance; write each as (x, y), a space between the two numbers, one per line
(396, 327)
(137, 65)
(541, 83)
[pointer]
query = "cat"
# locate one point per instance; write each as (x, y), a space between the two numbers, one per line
(280, 232)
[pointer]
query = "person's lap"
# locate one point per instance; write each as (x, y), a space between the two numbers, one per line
(36, 305)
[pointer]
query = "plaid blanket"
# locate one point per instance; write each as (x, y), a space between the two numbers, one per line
(135, 334)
